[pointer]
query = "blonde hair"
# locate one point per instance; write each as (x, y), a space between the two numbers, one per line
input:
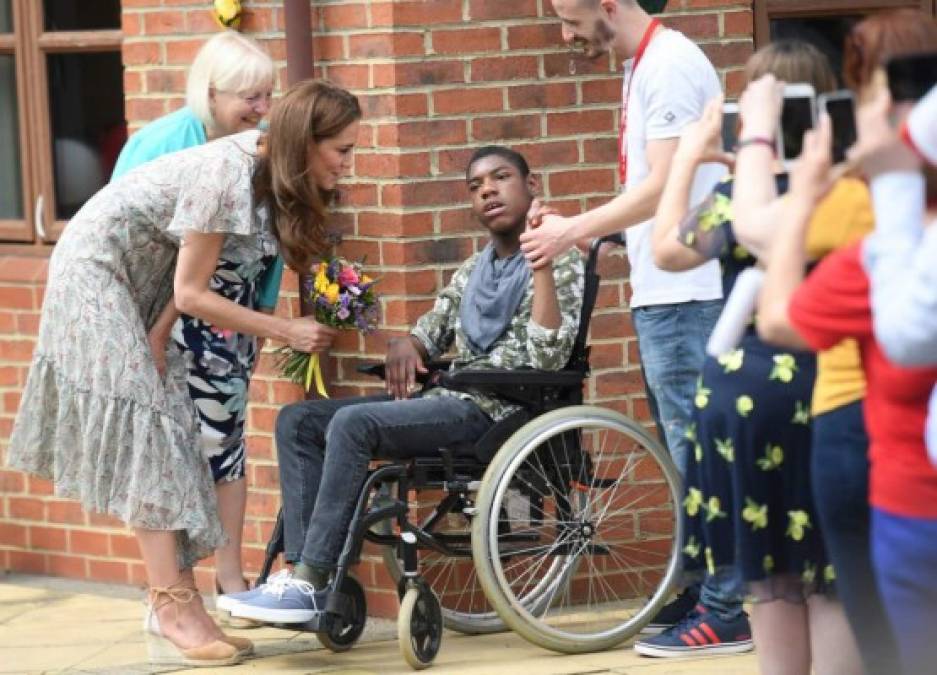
(231, 62)
(309, 112)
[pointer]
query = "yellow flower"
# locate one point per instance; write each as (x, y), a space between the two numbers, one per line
(784, 368)
(714, 509)
(726, 448)
(801, 413)
(692, 548)
(227, 13)
(810, 573)
(732, 361)
(768, 564)
(710, 565)
(702, 395)
(365, 279)
(744, 405)
(829, 574)
(798, 521)
(740, 252)
(693, 501)
(690, 433)
(321, 282)
(774, 457)
(331, 293)
(756, 514)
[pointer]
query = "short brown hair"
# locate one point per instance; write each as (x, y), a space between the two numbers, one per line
(310, 112)
(879, 37)
(792, 61)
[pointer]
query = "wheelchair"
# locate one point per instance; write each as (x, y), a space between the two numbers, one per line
(560, 523)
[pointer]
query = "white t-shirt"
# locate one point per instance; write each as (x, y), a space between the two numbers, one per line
(673, 83)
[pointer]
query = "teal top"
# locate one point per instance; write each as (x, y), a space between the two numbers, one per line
(177, 131)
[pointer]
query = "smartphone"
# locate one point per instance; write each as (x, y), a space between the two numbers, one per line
(911, 77)
(798, 116)
(730, 126)
(841, 107)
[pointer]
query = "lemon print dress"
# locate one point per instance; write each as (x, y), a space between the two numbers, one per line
(748, 501)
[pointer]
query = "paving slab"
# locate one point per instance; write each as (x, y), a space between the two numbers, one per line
(50, 625)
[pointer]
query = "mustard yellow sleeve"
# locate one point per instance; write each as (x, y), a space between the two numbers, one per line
(843, 218)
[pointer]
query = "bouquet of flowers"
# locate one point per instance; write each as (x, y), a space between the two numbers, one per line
(343, 297)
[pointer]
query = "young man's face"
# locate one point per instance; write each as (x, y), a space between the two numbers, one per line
(500, 195)
(585, 26)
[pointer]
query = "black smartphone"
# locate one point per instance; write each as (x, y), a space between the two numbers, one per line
(841, 107)
(798, 116)
(911, 76)
(730, 126)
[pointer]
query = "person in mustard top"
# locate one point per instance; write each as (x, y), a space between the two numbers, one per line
(840, 467)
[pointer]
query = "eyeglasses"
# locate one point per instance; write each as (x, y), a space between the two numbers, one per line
(252, 99)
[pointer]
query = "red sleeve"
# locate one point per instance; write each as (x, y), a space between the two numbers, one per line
(833, 302)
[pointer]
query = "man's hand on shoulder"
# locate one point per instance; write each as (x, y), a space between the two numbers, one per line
(404, 360)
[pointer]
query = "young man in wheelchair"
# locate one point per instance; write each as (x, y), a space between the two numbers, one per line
(496, 312)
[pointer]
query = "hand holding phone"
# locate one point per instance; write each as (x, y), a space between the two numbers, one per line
(840, 106)
(798, 116)
(730, 126)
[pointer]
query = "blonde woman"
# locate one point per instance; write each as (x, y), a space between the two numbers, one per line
(229, 90)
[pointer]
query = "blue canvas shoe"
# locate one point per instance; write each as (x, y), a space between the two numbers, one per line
(286, 600)
(700, 633)
(227, 602)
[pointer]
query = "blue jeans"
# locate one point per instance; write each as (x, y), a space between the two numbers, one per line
(324, 448)
(904, 553)
(672, 340)
(839, 469)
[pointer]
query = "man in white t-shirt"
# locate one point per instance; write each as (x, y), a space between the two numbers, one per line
(667, 82)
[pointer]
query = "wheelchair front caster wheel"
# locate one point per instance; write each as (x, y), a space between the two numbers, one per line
(419, 626)
(344, 631)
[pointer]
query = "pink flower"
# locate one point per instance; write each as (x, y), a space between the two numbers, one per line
(348, 276)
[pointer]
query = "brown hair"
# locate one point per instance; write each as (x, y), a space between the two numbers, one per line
(792, 61)
(310, 112)
(879, 37)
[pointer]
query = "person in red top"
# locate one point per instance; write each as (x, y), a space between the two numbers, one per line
(834, 304)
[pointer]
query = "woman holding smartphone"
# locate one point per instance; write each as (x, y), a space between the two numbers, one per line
(840, 465)
(748, 499)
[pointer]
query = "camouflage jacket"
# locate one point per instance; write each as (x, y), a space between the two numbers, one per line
(525, 344)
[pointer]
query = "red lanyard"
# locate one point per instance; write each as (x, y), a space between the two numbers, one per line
(622, 127)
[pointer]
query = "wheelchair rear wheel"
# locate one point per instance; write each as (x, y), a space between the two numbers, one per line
(589, 487)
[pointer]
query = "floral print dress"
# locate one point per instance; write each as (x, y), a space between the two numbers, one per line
(96, 417)
(748, 500)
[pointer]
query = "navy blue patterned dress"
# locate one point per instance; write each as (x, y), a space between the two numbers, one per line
(220, 362)
(748, 501)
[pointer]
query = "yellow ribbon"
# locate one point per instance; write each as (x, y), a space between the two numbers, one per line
(314, 371)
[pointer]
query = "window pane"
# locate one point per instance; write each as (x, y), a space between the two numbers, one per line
(11, 178)
(828, 34)
(86, 100)
(87, 15)
(6, 16)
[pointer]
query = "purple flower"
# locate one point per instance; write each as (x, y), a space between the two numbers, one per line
(342, 313)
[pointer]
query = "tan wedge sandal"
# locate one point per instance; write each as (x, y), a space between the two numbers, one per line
(162, 651)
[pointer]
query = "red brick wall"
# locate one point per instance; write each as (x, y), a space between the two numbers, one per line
(436, 79)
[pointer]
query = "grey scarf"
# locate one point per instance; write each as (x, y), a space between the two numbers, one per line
(494, 290)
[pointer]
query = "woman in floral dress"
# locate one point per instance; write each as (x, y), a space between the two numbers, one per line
(110, 420)
(748, 500)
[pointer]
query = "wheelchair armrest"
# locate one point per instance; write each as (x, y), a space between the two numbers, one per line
(494, 378)
(377, 370)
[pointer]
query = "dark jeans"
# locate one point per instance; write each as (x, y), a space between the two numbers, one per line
(324, 448)
(904, 552)
(840, 475)
(672, 340)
